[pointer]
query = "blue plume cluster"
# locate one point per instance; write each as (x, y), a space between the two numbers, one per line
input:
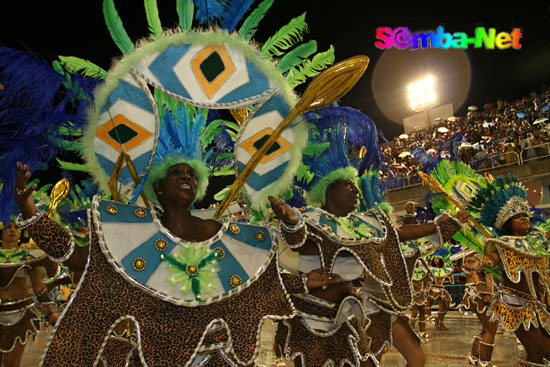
(333, 157)
(372, 191)
(428, 161)
(344, 128)
(227, 12)
(223, 148)
(297, 200)
(181, 133)
(41, 114)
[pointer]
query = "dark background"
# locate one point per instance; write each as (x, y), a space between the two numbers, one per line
(77, 28)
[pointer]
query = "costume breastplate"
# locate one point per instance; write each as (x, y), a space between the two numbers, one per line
(357, 234)
(517, 258)
(185, 273)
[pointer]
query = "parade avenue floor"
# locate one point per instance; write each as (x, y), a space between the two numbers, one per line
(442, 348)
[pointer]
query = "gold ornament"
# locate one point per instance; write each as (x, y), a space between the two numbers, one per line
(192, 269)
(220, 253)
(140, 213)
(235, 281)
(111, 209)
(234, 229)
(161, 244)
(139, 263)
(59, 192)
(260, 236)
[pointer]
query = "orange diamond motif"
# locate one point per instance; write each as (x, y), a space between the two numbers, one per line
(198, 62)
(136, 134)
(251, 145)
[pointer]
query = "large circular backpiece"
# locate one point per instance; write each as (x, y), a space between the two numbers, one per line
(209, 70)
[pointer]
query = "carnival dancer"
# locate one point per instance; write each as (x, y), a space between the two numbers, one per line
(362, 247)
(19, 315)
(442, 273)
(421, 276)
(421, 281)
(480, 291)
(521, 304)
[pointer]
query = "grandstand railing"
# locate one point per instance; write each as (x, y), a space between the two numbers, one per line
(506, 159)
(535, 152)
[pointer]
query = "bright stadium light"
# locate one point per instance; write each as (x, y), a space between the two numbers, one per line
(422, 93)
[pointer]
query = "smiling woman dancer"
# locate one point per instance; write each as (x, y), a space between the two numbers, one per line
(521, 304)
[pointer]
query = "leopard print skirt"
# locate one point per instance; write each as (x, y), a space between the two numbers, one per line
(18, 321)
(513, 311)
(345, 346)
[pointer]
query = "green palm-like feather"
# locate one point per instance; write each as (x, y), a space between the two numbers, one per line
(250, 25)
(224, 171)
(185, 9)
(310, 68)
(297, 56)
(152, 13)
(116, 28)
(285, 37)
(69, 166)
(75, 64)
(304, 174)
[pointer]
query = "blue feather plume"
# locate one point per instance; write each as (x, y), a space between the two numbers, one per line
(234, 12)
(207, 11)
(41, 114)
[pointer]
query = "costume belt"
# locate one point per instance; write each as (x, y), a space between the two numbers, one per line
(517, 293)
(7, 306)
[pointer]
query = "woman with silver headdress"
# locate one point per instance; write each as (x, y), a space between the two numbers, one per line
(521, 304)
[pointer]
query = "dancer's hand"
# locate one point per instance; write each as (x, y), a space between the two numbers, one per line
(22, 193)
(283, 211)
(322, 278)
(52, 318)
(463, 216)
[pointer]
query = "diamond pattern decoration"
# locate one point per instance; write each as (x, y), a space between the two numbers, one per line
(119, 131)
(212, 67)
(255, 142)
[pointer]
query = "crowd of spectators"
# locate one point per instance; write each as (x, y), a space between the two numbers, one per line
(489, 133)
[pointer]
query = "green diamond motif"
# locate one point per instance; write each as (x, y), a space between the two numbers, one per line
(122, 133)
(212, 66)
(258, 144)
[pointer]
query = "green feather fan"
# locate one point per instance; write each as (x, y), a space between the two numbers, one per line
(285, 38)
(152, 13)
(250, 25)
(310, 68)
(297, 56)
(75, 64)
(116, 28)
(185, 9)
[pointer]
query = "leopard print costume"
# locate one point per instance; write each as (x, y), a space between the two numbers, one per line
(519, 262)
(341, 347)
(19, 332)
(394, 277)
(28, 320)
(169, 334)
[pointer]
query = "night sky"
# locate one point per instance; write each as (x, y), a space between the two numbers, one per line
(68, 27)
